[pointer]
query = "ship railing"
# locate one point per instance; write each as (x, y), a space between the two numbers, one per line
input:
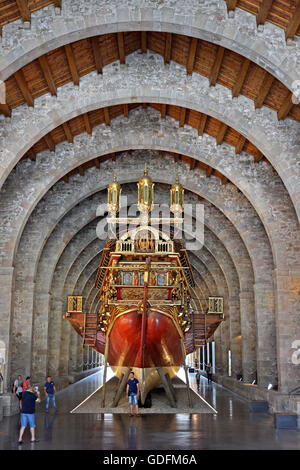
(161, 246)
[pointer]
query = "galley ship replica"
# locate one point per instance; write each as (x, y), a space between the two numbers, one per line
(149, 317)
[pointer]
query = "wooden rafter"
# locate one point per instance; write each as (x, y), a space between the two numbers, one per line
(286, 107)
(259, 157)
(221, 133)
(217, 65)
(121, 48)
(168, 46)
(193, 162)
(144, 41)
(47, 74)
(231, 4)
(182, 117)
(294, 23)
(23, 9)
(264, 90)
(31, 155)
(22, 84)
(72, 64)
(240, 145)
(202, 124)
(49, 141)
(106, 116)
(97, 163)
(87, 123)
(68, 132)
(209, 171)
(5, 109)
(263, 11)
(97, 53)
(191, 56)
(241, 78)
(125, 110)
(163, 111)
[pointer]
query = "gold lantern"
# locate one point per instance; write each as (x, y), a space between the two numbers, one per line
(177, 197)
(113, 196)
(145, 192)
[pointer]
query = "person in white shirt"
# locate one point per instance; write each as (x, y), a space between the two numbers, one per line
(18, 389)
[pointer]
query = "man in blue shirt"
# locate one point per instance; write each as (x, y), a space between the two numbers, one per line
(132, 392)
(50, 391)
(29, 398)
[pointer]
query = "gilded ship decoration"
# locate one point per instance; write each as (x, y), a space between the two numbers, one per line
(149, 316)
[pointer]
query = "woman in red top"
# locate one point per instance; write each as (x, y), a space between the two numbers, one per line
(26, 384)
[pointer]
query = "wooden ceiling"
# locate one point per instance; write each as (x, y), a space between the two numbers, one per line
(12, 10)
(219, 65)
(282, 13)
(202, 122)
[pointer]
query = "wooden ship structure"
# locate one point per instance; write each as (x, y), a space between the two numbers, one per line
(150, 317)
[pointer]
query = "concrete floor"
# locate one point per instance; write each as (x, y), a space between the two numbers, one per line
(234, 427)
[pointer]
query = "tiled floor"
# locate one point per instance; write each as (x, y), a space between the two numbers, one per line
(234, 427)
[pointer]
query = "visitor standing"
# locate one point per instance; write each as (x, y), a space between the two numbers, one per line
(18, 389)
(26, 384)
(29, 399)
(50, 391)
(198, 378)
(208, 372)
(132, 392)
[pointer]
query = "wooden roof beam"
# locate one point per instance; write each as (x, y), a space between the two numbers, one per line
(87, 123)
(294, 23)
(106, 116)
(241, 78)
(209, 171)
(264, 90)
(163, 111)
(168, 46)
(240, 145)
(47, 74)
(182, 117)
(231, 4)
(121, 48)
(286, 107)
(97, 54)
(5, 109)
(224, 179)
(97, 163)
(57, 3)
(191, 56)
(144, 42)
(68, 132)
(202, 123)
(258, 157)
(264, 11)
(19, 76)
(113, 156)
(221, 133)
(31, 154)
(125, 110)
(49, 142)
(23, 9)
(72, 64)
(216, 67)
(81, 170)
(66, 178)
(193, 162)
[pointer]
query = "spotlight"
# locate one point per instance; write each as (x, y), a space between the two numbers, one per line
(270, 386)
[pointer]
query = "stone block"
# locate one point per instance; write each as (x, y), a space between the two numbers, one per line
(259, 406)
(10, 404)
(285, 420)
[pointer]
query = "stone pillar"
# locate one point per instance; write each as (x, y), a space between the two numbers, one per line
(6, 289)
(218, 351)
(287, 309)
(248, 330)
(266, 335)
(40, 336)
(54, 336)
(235, 336)
(21, 331)
(73, 353)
